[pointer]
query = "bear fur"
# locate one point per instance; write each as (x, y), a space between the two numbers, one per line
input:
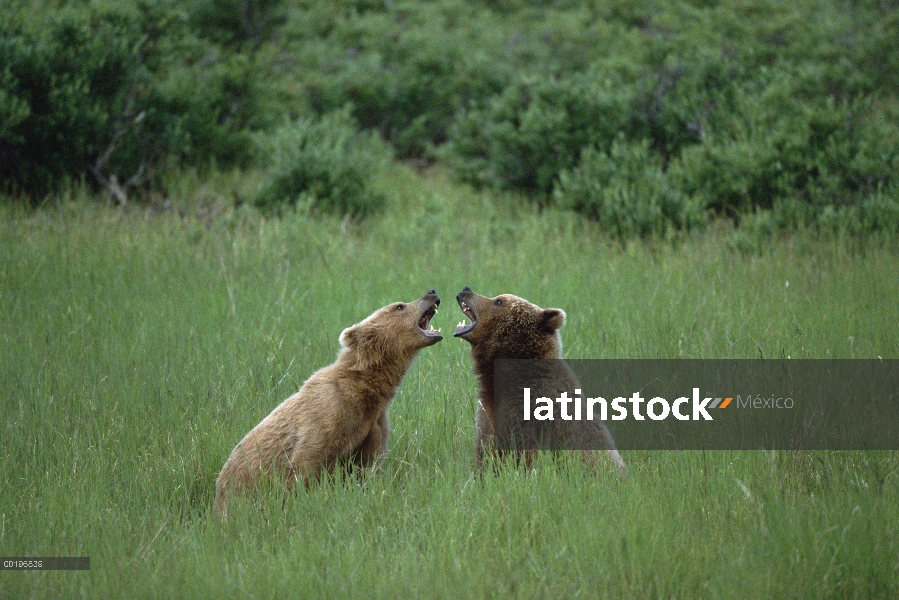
(509, 327)
(339, 416)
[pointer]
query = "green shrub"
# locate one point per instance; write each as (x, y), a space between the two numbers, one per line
(406, 70)
(235, 22)
(678, 93)
(524, 137)
(778, 141)
(627, 191)
(880, 211)
(204, 109)
(127, 80)
(323, 164)
(61, 82)
(750, 106)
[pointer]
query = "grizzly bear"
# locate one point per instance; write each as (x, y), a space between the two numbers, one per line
(339, 416)
(509, 327)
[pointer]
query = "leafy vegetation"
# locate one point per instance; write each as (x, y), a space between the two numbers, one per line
(627, 190)
(746, 106)
(323, 163)
(101, 90)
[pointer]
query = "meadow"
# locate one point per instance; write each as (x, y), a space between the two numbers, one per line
(140, 344)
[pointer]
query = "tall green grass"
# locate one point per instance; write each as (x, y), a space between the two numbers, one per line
(137, 347)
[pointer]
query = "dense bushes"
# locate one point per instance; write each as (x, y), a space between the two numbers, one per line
(406, 71)
(741, 114)
(772, 145)
(525, 136)
(323, 164)
(115, 90)
(645, 115)
(64, 82)
(627, 191)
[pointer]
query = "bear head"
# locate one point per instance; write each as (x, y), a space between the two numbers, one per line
(399, 330)
(509, 327)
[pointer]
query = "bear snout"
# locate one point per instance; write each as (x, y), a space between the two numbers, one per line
(431, 296)
(464, 294)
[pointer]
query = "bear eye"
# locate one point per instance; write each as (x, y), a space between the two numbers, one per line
(400, 306)
(498, 302)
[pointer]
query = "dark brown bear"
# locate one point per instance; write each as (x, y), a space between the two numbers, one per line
(509, 327)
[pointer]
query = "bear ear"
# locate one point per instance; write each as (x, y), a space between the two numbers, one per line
(350, 336)
(553, 318)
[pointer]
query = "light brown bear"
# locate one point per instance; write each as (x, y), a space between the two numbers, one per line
(509, 327)
(339, 416)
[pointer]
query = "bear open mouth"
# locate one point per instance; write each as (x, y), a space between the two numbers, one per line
(424, 322)
(462, 328)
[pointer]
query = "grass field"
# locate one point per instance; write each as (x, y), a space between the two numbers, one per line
(139, 346)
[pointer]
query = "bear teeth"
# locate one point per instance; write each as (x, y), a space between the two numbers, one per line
(467, 310)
